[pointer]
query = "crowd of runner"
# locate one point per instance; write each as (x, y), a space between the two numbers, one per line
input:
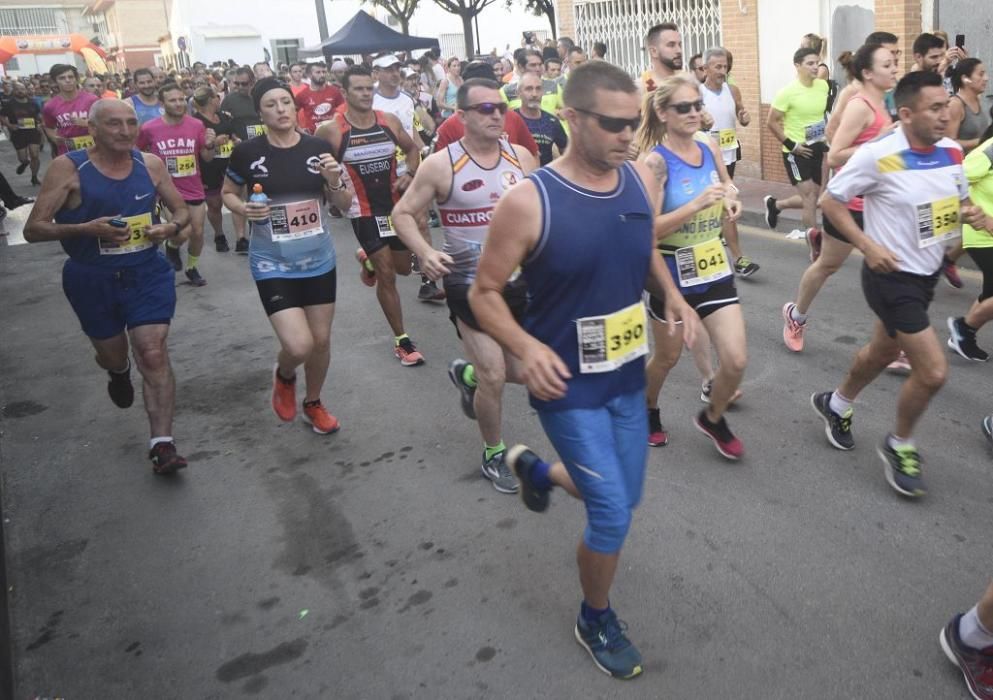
(583, 214)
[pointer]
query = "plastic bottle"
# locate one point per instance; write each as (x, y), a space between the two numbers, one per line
(259, 197)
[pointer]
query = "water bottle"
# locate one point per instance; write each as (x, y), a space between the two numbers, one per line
(260, 197)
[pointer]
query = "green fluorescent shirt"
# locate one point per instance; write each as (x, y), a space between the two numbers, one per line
(804, 108)
(979, 172)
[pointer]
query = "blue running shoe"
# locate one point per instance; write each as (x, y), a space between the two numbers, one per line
(520, 458)
(611, 650)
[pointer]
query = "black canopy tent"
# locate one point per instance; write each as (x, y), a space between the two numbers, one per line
(363, 34)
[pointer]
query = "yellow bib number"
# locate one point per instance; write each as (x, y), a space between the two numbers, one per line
(138, 240)
(728, 139)
(182, 166)
(702, 263)
(611, 341)
(27, 123)
(938, 221)
(77, 143)
(224, 150)
(256, 130)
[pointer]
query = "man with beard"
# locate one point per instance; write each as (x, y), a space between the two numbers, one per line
(664, 44)
(317, 101)
(146, 101)
(544, 127)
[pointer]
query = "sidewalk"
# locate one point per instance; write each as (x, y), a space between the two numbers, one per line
(752, 191)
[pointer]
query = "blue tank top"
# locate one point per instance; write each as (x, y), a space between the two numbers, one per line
(146, 113)
(683, 184)
(592, 259)
(132, 198)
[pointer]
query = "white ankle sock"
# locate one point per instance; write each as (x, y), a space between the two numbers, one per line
(972, 632)
(894, 441)
(156, 440)
(838, 403)
(797, 316)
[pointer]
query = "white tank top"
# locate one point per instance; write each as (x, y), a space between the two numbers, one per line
(466, 213)
(721, 107)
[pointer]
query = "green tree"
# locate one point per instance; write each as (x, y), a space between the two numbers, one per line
(466, 10)
(539, 8)
(400, 10)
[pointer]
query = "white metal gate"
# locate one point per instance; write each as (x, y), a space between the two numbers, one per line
(623, 24)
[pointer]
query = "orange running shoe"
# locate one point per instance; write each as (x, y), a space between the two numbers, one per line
(320, 420)
(408, 355)
(792, 330)
(284, 396)
(368, 275)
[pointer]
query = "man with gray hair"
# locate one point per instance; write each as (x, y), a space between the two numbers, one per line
(118, 282)
(723, 103)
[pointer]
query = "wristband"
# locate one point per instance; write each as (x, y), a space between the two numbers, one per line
(789, 143)
(337, 188)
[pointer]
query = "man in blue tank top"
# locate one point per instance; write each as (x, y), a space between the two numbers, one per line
(99, 203)
(582, 229)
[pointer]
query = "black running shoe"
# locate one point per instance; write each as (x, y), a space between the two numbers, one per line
(20, 202)
(35, 181)
(172, 255)
(120, 388)
(22, 167)
(837, 428)
(195, 278)
(241, 246)
(467, 393)
(771, 211)
(520, 458)
(430, 291)
(165, 460)
(902, 469)
(221, 244)
(962, 339)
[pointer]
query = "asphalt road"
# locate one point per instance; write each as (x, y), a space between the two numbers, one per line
(378, 563)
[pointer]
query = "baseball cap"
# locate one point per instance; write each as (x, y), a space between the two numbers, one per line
(386, 61)
(407, 72)
(339, 65)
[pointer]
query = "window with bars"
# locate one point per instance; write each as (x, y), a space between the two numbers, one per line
(623, 24)
(40, 20)
(285, 51)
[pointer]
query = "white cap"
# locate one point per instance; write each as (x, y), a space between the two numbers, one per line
(407, 72)
(386, 61)
(339, 65)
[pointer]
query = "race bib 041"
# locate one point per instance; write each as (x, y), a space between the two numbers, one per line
(702, 263)
(611, 341)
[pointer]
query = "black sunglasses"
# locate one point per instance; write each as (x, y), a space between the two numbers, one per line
(613, 125)
(685, 107)
(487, 108)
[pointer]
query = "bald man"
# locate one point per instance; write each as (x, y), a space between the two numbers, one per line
(99, 203)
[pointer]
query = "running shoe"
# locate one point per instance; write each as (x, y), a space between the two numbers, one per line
(901, 365)
(792, 330)
(903, 468)
(195, 278)
(611, 650)
(19, 202)
(950, 271)
(221, 244)
(172, 255)
(407, 353)
(657, 435)
(456, 370)
(241, 246)
(284, 396)
(720, 434)
(22, 167)
(521, 459)
(988, 428)
(35, 181)
(963, 340)
(322, 422)
(708, 385)
(976, 665)
(814, 241)
(165, 460)
(120, 388)
(366, 274)
(743, 267)
(496, 470)
(429, 291)
(837, 427)
(771, 211)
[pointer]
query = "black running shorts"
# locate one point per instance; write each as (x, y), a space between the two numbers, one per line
(457, 298)
(367, 232)
(802, 169)
(280, 293)
(899, 299)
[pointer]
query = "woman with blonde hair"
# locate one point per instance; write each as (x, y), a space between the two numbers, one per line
(697, 196)
(818, 44)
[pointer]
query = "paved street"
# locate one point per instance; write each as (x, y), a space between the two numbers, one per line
(378, 563)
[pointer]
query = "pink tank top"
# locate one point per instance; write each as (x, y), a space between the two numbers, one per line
(879, 120)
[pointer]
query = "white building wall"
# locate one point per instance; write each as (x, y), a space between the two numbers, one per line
(782, 23)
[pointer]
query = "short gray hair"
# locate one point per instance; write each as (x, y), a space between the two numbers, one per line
(715, 52)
